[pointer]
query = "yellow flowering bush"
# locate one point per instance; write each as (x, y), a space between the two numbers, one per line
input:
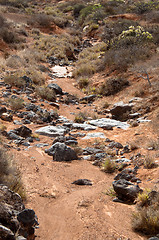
(134, 35)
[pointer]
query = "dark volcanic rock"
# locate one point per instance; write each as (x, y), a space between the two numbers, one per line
(61, 152)
(119, 110)
(23, 131)
(6, 233)
(89, 98)
(27, 216)
(83, 182)
(125, 190)
(56, 88)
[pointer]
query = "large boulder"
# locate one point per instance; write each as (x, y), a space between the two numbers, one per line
(56, 88)
(105, 122)
(125, 190)
(23, 131)
(52, 131)
(61, 152)
(120, 109)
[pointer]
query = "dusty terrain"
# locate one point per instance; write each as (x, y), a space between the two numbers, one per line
(70, 212)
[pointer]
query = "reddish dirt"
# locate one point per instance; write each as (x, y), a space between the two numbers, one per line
(70, 212)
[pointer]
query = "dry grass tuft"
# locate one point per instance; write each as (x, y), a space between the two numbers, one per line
(9, 173)
(146, 219)
(109, 165)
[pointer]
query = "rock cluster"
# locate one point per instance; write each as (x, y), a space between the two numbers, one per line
(16, 222)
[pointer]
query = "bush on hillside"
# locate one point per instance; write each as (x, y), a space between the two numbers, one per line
(112, 86)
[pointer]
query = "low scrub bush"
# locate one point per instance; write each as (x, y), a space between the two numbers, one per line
(109, 165)
(14, 80)
(57, 46)
(16, 103)
(146, 218)
(9, 173)
(112, 86)
(113, 29)
(89, 60)
(46, 93)
(81, 117)
(127, 48)
(149, 162)
(42, 20)
(83, 82)
(143, 6)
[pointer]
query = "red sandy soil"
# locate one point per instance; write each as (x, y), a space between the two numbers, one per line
(70, 212)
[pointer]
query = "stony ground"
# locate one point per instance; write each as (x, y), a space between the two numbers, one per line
(72, 212)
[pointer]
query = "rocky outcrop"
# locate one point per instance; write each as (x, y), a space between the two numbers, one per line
(61, 152)
(126, 191)
(16, 222)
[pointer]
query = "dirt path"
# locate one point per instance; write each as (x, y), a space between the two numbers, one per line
(67, 211)
(70, 212)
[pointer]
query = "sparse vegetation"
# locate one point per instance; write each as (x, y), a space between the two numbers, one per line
(89, 61)
(112, 86)
(81, 117)
(109, 165)
(46, 93)
(134, 145)
(146, 218)
(149, 162)
(16, 103)
(9, 173)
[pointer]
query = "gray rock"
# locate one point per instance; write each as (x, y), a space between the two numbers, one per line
(21, 238)
(83, 126)
(90, 150)
(115, 145)
(106, 121)
(52, 131)
(56, 88)
(153, 238)
(94, 135)
(71, 142)
(83, 182)
(14, 136)
(89, 98)
(23, 131)
(61, 152)
(40, 145)
(16, 122)
(143, 120)
(3, 110)
(125, 190)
